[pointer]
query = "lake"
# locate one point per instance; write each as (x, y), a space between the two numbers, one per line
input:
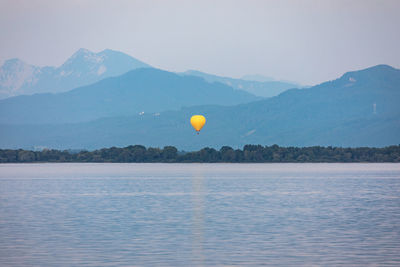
(74, 214)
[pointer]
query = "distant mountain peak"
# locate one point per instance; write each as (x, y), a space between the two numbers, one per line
(374, 69)
(14, 74)
(381, 67)
(84, 55)
(82, 68)
(12, 60)
(10, 63)
(377, 72)
(83, 51)
(80, 53)
(109, 51)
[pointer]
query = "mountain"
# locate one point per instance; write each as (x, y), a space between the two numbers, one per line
(15, 74)
(258, 88)
(257, 78)
(82, 68)
(262, 78)
(361, 108)
(145, 90)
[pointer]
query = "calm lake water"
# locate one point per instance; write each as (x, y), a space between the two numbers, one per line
(199, 214)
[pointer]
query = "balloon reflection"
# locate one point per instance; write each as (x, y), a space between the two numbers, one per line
(198, 218)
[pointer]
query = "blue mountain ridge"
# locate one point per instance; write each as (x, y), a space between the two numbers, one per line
(258, 88)
(141, 90)
(361, 108)
(85, 67)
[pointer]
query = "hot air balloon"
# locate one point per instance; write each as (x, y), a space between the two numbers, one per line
(197, 122)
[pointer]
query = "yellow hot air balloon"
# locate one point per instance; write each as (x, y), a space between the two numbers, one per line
(197, 122)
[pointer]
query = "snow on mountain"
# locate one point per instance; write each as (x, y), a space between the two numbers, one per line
(82, 68)
(14, 74)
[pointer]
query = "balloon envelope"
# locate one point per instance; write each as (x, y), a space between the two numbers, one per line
(197, 122)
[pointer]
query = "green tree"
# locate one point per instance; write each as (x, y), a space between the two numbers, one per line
(26, 156)
(227, 154)
(169, 153)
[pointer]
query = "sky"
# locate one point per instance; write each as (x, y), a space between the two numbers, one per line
(308, 41)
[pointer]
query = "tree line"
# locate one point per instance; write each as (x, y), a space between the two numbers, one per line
(249, 153)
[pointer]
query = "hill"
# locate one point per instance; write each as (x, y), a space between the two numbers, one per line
(260, 88)
(358, 109)
(145, 90)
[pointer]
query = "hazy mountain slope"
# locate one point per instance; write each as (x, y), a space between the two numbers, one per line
(257, 78)
(82, 68)
(337, 113)
(141, 90)
(259, 88)
(15, 74)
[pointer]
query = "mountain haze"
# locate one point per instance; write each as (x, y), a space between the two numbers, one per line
(82, 68)
(361, 108)
(259, 87)
(141, 90)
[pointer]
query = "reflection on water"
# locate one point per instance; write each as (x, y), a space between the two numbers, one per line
(199, 214)
(198, 219)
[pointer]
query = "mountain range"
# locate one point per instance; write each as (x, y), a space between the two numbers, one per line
(85, 67)
(361, 108)
(260, 86)
(82, 68)
(145, 90)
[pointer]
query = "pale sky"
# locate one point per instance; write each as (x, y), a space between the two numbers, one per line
(304, 41)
